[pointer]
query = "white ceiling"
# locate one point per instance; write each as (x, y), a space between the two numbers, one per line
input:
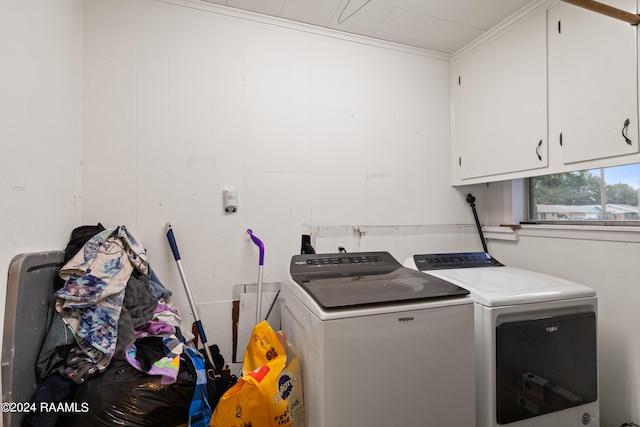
(439, 25)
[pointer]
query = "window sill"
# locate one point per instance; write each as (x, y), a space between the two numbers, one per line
(610, 233)
(505, 232)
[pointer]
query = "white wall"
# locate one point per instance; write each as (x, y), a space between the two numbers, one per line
(336, 136)
(320, 133)
(40, 74)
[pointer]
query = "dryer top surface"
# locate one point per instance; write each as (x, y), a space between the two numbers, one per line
(499, 286)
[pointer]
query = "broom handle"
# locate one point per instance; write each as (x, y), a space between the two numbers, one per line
(607, 10)
(260, 245)
(192, 304)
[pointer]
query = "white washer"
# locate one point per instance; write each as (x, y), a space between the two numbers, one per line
(535, 339)
(381, 345)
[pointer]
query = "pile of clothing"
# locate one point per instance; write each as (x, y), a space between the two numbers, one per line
(109, 316)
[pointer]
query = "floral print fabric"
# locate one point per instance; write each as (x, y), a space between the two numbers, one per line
(91, 300)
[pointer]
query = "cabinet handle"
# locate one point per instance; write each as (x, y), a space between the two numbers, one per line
(624, 130)
(538, 150)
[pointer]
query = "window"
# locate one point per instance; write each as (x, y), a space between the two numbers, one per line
(608, 195)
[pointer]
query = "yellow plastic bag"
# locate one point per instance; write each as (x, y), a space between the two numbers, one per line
(269, 393)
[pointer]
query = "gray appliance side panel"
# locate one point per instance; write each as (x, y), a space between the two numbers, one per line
(30, 285)
(412, 368)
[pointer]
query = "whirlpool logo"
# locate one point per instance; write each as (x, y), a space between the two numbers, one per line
(405, 319)
(551, 329)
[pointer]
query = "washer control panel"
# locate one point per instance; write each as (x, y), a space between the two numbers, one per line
(306, 267)
(442, 261)
(345, 260)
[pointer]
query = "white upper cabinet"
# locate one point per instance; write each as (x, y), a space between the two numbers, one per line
(593, 89)
(499, 90)
(554, 89)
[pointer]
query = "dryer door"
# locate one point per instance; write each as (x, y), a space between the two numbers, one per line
(545, 365)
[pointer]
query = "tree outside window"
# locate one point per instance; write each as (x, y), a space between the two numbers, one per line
(608, 194)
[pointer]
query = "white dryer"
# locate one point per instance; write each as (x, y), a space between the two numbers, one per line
(381, 345)
(535, 342)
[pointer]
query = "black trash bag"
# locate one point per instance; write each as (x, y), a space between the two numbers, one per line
(124, 396)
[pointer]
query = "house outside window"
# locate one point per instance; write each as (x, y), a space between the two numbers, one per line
(609, 195)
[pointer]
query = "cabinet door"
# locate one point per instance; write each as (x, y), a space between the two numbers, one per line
(593, 85)
(500, 102)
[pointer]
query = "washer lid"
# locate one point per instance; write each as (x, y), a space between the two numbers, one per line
(356, 279)
(500, 286)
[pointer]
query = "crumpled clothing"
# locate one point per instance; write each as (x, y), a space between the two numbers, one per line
(154, 328)
(137, 310)
(54, 389)
(167, 367)
(57, 342)
(91, 300)
(157, 288)
(79, 367)
(167, 314)
(200, 409)
(139, 300)
(165, 322)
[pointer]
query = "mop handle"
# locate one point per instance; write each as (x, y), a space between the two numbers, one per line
(258, 243)
(172, 243)
(183, 276)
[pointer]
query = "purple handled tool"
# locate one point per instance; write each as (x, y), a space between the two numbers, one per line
(260, 245)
